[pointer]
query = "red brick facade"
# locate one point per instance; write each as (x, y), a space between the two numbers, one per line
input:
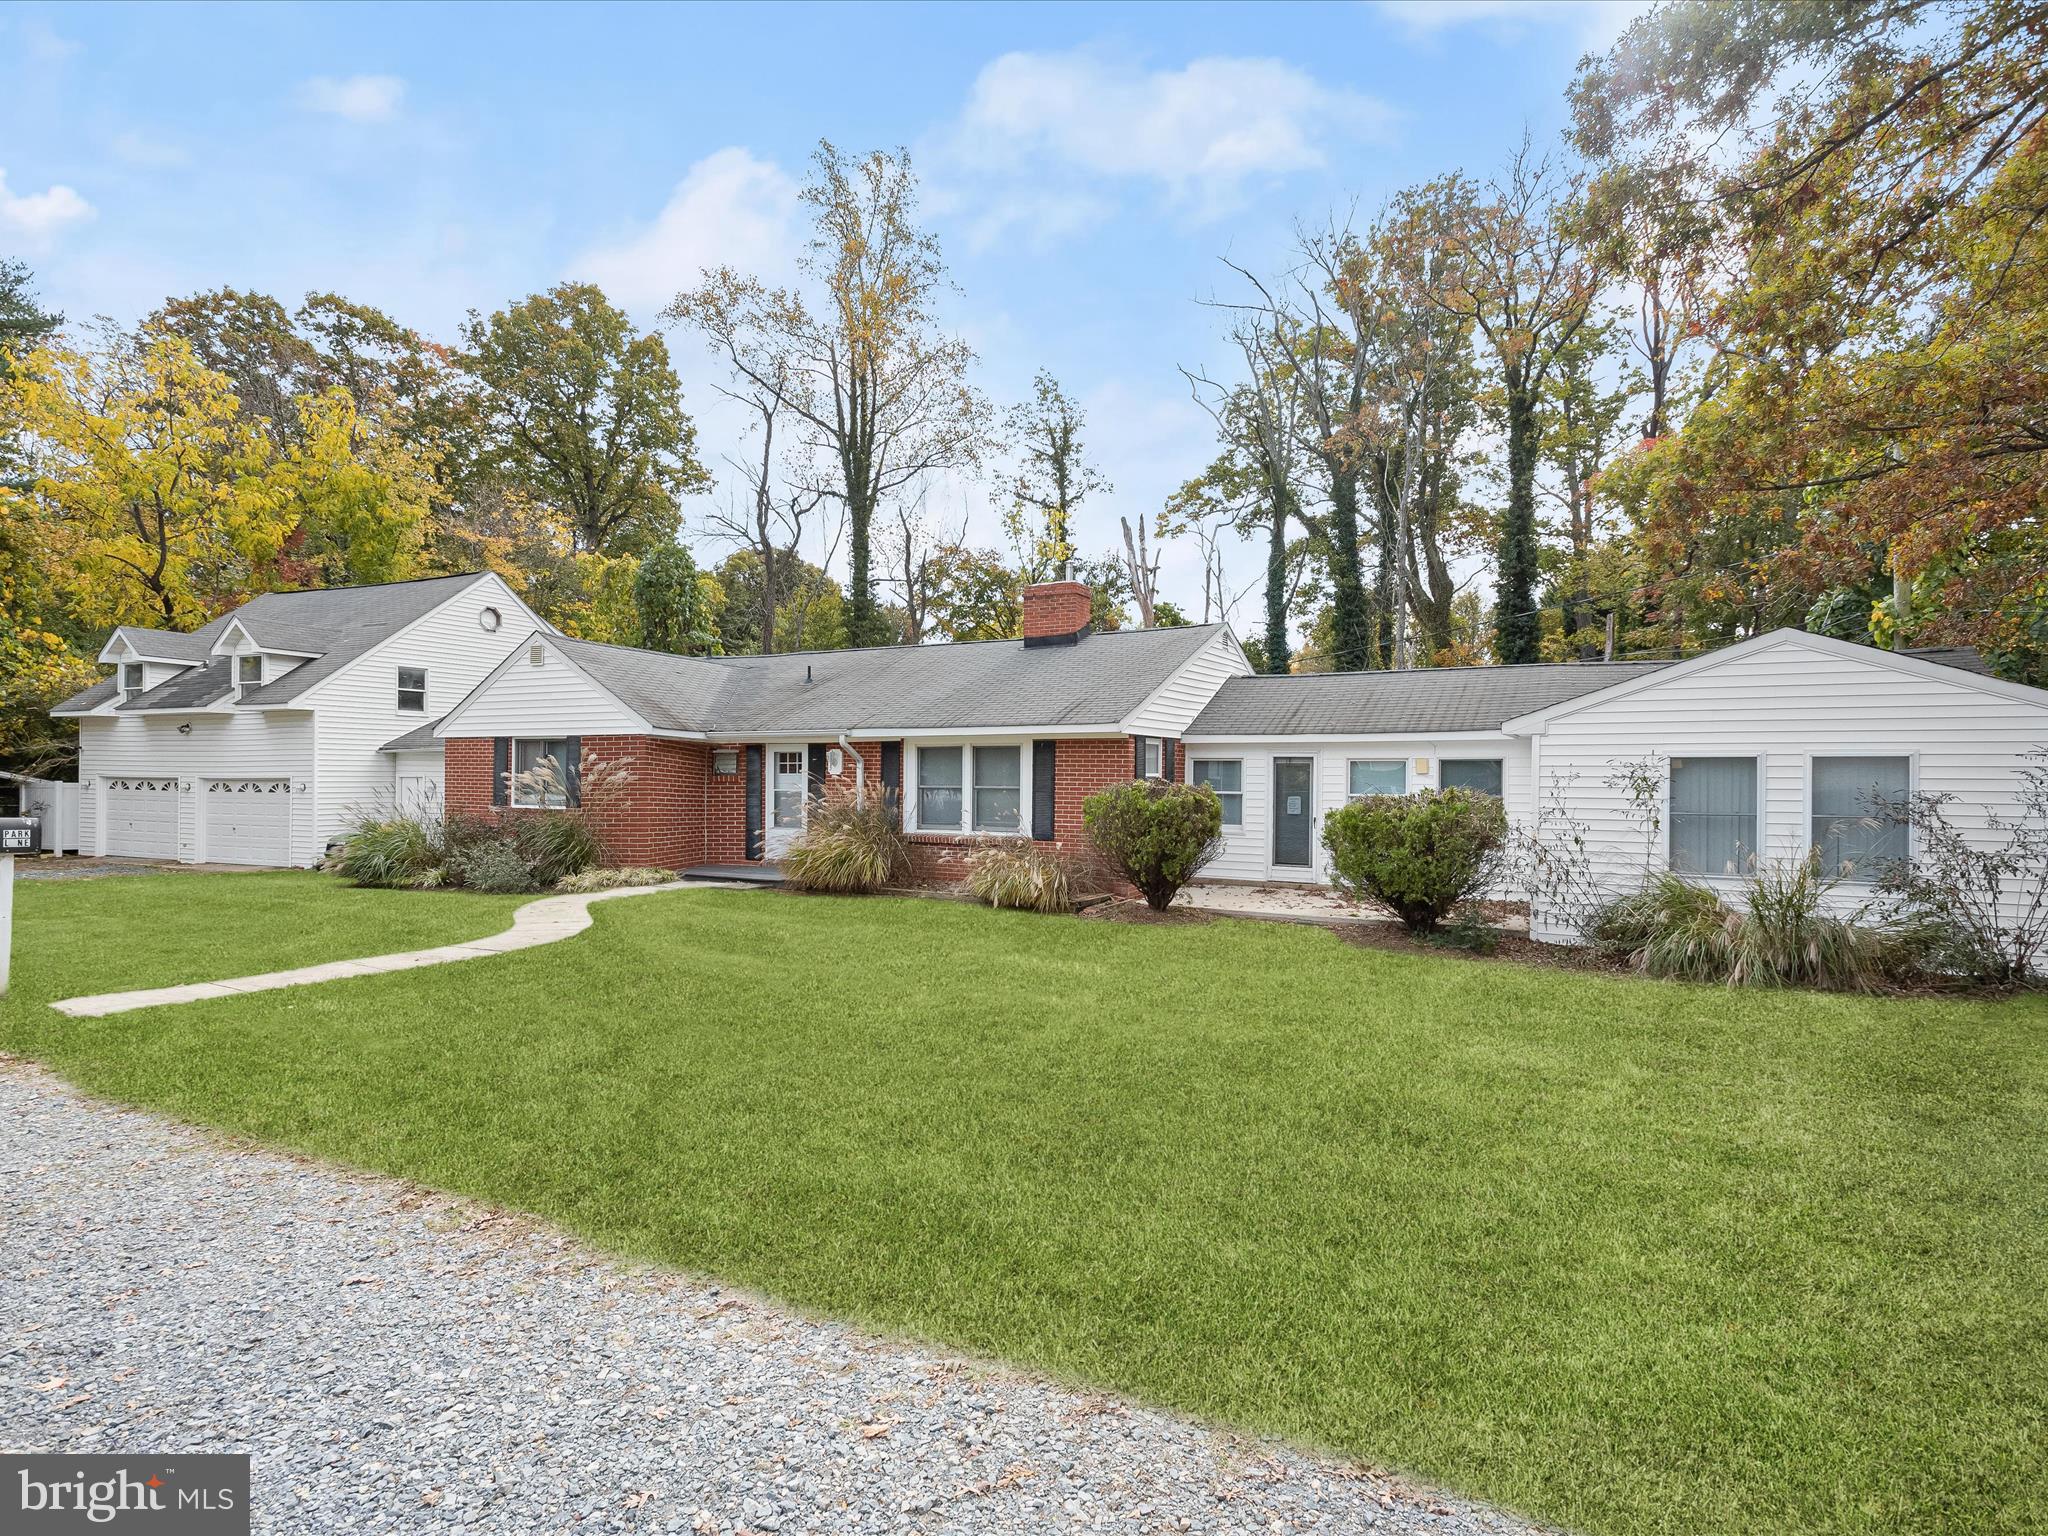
(669, 810)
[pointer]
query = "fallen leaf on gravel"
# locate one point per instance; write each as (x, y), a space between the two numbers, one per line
(52, 1384)
(873, 1431)
(361, 1280)
(432, 1496)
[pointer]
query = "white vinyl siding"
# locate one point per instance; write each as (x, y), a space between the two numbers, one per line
(1174, 704)
(1781, 704)
(215, 745)
(555, 697)
(1247, 846)
(358, 707)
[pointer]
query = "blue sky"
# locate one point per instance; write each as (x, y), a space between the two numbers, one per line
(1084, 166)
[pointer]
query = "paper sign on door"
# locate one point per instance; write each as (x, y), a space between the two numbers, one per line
(1294, 805)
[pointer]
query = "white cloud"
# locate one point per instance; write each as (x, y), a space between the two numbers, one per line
(38, 215)
(359, 98)
(42, 43)
(140, 149)
(1199, 133)
(1597, 23)
(730, 209)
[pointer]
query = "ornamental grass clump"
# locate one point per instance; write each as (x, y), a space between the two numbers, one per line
(1418, 855)
(1781, 935)
(848, 849)
(1023, 876)
(390, 851)
(1155, 834)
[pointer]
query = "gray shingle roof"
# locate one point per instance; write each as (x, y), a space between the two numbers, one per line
(1964, 658)
(984, 684)
(171, 644)
(419, 739)
(333, 625)
(1427, 702)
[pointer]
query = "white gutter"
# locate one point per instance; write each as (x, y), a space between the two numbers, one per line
(860, 773)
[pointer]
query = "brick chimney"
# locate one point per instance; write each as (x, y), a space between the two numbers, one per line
(1056, 612)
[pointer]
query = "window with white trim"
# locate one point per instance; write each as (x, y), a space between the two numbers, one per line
(998, 789)
(1480, 773)
(939, 782)
(248, 671)
(1377, 776)
(1225, 775)
(1857, 825)
(412, 688)
(1148, 747)
(1713, 814)
(131, 677)
(786, 806)
(535, 791)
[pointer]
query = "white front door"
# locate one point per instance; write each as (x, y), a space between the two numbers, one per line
(789, 783)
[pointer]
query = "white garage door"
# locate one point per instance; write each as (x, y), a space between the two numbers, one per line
(248, 821)
(142, 818)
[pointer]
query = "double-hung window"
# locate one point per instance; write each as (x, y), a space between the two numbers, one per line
(540, 772)
(998, 789)
(1858, 827)
(1713, 814)
(131, 677)
(1380, 776)
(412, 688)
(939, 780)
(1148, 757)
(248, 671)
(1480, 773)
(1225, 775)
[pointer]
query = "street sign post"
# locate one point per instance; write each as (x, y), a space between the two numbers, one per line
(18, 834)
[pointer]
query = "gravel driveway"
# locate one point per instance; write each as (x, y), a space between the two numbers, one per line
(393, 1359)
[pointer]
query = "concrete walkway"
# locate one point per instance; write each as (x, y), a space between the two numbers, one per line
(546, 921)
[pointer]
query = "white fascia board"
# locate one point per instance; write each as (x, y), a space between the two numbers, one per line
(978, 733)
(1826, 645)
(518, 654)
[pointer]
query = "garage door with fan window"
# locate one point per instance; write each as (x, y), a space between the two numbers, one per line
(142, 818)
(248, 821)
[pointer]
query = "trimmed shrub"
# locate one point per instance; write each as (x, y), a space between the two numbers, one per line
(1417, 855)
(394, 851)
(1155, 834)
(1021, 875)
(848, 849)
(495, 866)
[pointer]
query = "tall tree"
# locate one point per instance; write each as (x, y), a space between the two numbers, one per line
(1516, 272)
(583, 412)
(883, 391)
(1259, 418)
(669, 597)
(1870, 182)
(1053, 476)
(1339, 329)
(24, 325)
(1585, 422)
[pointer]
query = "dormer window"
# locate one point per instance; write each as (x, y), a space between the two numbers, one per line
(131, 677)
(249, 671)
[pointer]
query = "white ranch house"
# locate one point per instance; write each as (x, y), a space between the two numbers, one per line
(1764, 749)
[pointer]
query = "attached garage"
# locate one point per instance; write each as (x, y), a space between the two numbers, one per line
(248, 821)
(142, 818)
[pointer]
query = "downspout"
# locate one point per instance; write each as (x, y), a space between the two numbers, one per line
(860, 773)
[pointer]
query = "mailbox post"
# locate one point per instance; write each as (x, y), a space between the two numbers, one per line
(18, 834)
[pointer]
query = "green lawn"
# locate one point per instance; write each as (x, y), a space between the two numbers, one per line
(1630, 1256)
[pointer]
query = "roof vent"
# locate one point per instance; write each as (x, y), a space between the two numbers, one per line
(807, 674)
(536, 655)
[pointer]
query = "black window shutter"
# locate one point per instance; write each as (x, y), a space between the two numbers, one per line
(892, 776)
(1137, 757)
(501, 765)
(1042, 754)
(572, 770)
(817, 771)
(1169, 770)
(754, 840)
